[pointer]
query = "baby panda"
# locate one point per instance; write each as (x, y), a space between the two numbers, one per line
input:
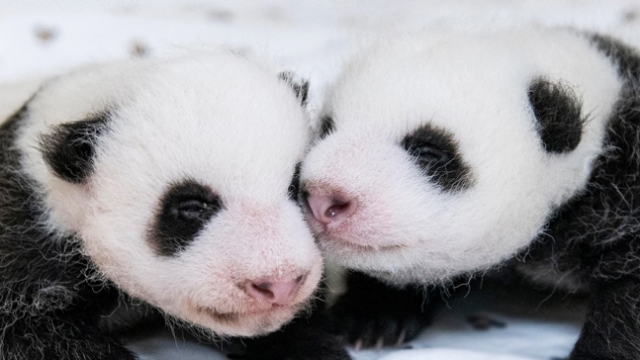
(155, 186)
(448, 155)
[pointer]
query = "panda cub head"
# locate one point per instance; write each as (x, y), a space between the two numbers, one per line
(445, 154)
(179, 178)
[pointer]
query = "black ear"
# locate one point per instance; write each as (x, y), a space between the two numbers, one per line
(299, 86)
(557, 111)
(69, 150)
(327, 126)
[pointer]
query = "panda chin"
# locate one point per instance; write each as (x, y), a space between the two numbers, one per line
(251, 323)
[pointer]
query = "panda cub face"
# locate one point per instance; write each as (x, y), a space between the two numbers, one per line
(177, 176)
(445, 154)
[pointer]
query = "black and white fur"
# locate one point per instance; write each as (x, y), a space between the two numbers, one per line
(446, 155)
(153, 186)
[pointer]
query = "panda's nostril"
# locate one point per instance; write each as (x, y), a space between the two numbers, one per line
(263, 289)
(330, 209)
(337, 209)
(274, 292)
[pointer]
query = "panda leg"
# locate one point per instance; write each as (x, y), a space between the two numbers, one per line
(61, 337)
(612, 328)
(373, 314)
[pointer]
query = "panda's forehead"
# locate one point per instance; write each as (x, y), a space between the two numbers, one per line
(235, 134)
(455, 81)
(395, 102)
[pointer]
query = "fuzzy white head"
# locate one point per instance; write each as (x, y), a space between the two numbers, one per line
(178, 184)
(441, 154)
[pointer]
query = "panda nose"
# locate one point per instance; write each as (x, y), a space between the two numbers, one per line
(274, 292)
(331, 209)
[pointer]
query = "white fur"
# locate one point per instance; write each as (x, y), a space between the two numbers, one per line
(13, 95)
(474, 85)
(221, 118)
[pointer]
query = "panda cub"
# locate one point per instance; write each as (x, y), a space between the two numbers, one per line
(153, 186)
(447, 155)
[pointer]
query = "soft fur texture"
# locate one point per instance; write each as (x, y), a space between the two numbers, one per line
(547, 123)
(85, 167)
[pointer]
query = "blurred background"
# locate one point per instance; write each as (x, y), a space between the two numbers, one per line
(312, 37)
(40, 38)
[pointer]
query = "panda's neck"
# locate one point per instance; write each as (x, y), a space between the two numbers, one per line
(605, 216)
(44, 268)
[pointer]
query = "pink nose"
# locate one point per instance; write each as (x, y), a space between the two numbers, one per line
(331, 209)
(274, 292)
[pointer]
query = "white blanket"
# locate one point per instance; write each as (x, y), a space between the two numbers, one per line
(522, 324)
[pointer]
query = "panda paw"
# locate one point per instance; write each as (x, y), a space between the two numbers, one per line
(318, 348)
(372, 314)
(305, 338)
(313, 353)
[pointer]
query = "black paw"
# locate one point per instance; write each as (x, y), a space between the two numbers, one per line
(305, 338)
(484, 322)
(372, 314)
(293, 348)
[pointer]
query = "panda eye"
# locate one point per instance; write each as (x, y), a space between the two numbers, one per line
(435, 152)
(193, 209)
(429, 155)
(184, 211)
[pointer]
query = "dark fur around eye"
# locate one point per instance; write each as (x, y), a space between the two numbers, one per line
(70, 149)
(294, 187)
(327, 126)
(184, 211)
(557, 112)
(435, 152)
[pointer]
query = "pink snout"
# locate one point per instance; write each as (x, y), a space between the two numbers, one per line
(274, 292)
(331, 209)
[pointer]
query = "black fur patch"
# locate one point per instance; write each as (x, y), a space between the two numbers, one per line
(300, 87)
(310, 336)
(327, 126)
(294, 187)
(594, 238)
(435, 151)
(70, 149)
(557, 111)
(484, 322)
(184, 211)
(51, 298)
(372, 313)
(627, 59)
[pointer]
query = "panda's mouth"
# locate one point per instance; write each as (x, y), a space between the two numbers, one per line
(342, 244)
(237, 316)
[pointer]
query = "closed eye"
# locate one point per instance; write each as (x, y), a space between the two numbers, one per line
(193, 209)
(435, 152)
(428, 154)
(185, 209)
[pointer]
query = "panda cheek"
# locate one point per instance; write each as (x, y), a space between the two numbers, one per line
(256, 244)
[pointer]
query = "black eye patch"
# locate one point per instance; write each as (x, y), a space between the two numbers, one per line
(435, 152)
(327, 126)
(185, 209)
